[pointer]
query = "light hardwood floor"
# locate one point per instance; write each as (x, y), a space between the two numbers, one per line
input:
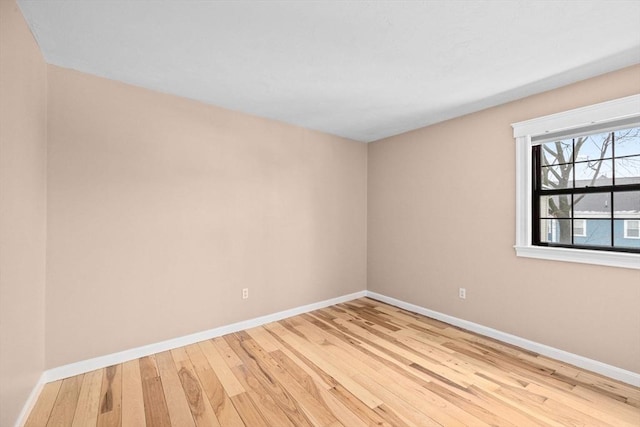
(360, 363)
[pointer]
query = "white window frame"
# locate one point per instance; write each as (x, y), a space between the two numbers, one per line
(626, 229)
(598, 114)
(584, 228)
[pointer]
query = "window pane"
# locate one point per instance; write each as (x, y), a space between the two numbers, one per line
(555, 206)
(557, 152)
(594, 173)
(555, 231)
(595, 205)
(628, 170)
(598, 233)
(626, 204)
(627, 233)
(557, 177)
(627, 142)
(593, 147)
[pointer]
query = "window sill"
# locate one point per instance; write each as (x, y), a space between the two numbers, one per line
(611, 259)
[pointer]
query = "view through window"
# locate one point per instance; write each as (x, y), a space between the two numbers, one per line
(586, 191)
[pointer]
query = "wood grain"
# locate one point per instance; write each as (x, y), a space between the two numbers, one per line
(177, 404)
(155, 406)
(355, 364)
(199, 405)
(110, 411)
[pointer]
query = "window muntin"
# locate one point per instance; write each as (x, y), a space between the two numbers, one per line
(584, 183)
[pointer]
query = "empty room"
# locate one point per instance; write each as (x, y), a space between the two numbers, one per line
(319, 213)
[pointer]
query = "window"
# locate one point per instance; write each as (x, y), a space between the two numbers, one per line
(578, 185)
(632, 228)
(590, 178)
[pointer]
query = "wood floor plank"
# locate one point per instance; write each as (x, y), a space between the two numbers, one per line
(156, 412)
(174, 395)
(110, 411)
(356, 364)
(88, 400)
(132, 398)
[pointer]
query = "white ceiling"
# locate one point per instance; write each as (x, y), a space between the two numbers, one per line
(360, 69)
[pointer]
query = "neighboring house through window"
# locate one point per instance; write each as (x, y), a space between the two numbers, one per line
(578, 185)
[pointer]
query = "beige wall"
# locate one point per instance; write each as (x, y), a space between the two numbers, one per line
(441, 212)
(162, 209)
(22, 211)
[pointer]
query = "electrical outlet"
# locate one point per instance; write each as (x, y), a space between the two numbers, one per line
(462, 293)
(245, 293)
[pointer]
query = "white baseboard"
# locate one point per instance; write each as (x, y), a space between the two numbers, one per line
(610, 371)
(135, 353)
(31, 401)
